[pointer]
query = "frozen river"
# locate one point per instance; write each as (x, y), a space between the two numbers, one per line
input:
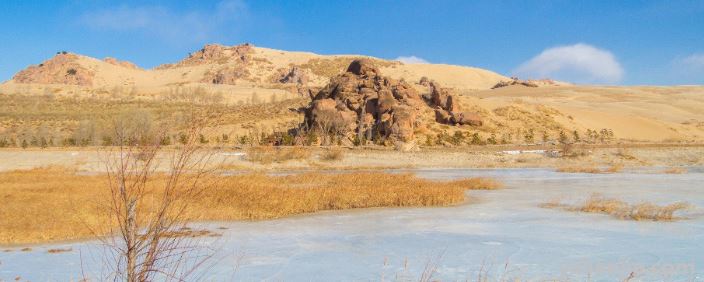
(501, 232)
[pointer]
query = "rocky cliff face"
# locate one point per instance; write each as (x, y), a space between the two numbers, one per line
(361, 103)
(61, 69)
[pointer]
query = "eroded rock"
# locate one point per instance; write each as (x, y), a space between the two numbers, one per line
(366, 104)
(61, 69)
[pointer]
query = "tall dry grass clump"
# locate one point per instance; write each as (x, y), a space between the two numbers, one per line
(615, 168)
(271, 154)
(623, 210)
(52, 204)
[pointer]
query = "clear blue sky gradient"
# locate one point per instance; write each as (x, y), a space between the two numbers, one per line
(650, 39)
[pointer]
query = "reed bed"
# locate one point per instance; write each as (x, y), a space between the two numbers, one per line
(591, 169)
(54, 204)
(597, 203)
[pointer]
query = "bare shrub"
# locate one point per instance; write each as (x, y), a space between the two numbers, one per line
(143, 218)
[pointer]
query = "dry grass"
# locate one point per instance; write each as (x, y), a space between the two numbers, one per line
(58, 251)
(53, 204)
(591, 169)
(333, 154)
(269, 154)
(675, 170)
(623, 210)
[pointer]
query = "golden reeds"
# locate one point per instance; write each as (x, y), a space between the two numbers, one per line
(52, 204)
(623, 210)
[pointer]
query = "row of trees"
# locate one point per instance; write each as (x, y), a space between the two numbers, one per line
(603, 136)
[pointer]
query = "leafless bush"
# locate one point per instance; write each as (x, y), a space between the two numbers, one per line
(142, 249)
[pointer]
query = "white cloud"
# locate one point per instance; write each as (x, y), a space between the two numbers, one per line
(195, 25)
(581, 63)
(694, 61)
(411, 60)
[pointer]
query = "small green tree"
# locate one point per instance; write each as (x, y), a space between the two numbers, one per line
(202, 139)
(529, 136)
(476, 139)
(429, 140)
(458, 138)
(563, 138)
(575, 136)
(183, 138)
(492, 139)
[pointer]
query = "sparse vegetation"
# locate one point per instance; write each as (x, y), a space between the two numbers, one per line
(623, 210)
(333, 154)
(269, 154)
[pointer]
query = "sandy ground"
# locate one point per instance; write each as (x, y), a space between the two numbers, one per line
(91, 160)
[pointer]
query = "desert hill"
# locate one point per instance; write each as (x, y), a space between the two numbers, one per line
(233, 70)
(511, 110)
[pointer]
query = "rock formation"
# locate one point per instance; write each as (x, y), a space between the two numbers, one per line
(448, 111)
(61, 69)
(117, 62)
(295, 75)
(364, 103)
(226, 75)
(361, 103)
(515, 81)
(215, 54)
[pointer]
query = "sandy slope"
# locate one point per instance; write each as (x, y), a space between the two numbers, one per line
(638, 112)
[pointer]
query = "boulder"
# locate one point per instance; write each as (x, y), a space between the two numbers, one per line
(466, 118)
(364, 67)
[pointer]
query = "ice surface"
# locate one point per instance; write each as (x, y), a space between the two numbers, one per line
(502, 232)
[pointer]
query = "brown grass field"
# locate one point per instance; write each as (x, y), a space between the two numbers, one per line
(54, 204)
(591, 169)
(623, 210)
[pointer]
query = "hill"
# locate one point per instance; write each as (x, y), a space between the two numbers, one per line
(234, 71)
(257, 79)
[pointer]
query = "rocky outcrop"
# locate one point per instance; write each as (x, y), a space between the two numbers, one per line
(124, 64)
(215, 54)
(294, 75)
(448, 111)
(365, 104)
(61, 69)
(515, 81)
(227, 75)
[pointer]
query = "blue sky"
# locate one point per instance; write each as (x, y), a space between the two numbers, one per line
(603, 42)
